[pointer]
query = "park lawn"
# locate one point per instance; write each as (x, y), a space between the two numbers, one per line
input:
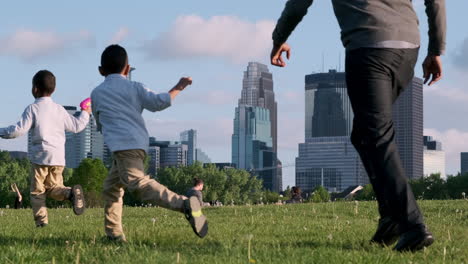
(305, 233)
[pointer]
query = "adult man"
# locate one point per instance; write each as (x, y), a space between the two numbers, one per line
(381, 38)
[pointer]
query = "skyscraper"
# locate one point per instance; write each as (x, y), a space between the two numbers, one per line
(252, 144)
(408, 122)
(257, 91)
(327, 157)
(88, 143)
(328, 110)
(189, 137)
(464, 162)
(434, 157)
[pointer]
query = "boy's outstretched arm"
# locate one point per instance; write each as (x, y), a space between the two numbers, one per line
(76, 124)
(157, 102)
(292, 14)
(21, 128)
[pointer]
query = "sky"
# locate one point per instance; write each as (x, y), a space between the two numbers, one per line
(212, 41)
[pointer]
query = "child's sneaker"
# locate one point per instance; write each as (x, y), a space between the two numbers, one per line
(41, 225)
(194, 215)
(77, 199)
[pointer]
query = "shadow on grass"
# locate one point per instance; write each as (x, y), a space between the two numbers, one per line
(359, 246)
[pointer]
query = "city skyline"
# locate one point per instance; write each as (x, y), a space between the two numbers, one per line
(71, 49)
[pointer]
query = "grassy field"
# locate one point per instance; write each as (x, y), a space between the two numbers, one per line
(306, 233)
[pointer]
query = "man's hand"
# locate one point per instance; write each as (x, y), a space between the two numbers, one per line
(432, 69)
(181, 85)
(277, 52)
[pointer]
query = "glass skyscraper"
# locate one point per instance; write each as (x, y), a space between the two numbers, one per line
(257, 92)
(252, 144)
(327, 157)
(328, 110)
(189, 137)
(408, 122)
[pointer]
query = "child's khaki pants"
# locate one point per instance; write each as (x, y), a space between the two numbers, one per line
(46, 181)
(128, 171)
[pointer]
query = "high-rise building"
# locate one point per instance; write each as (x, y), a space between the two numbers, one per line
(328, 111)
(201, 156)
(166, 154)
(257, 91)
(464, 162)
(331, 162)
(252, 144)
(408, 122)
(327, 157)
(189, 138)
(88, 143)
(434, 157)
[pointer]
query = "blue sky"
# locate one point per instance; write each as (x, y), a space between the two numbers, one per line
(212, 41)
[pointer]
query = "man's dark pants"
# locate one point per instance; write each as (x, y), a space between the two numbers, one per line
(375, 78)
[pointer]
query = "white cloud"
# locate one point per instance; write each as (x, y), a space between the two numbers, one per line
(120, 35)
(450, 93)
(227, 37)
(453, 142)
(29, 45)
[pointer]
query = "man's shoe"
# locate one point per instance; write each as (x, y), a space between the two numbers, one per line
(118, 239)
(415, 239)
(77, 199)
(387, 232)
(41, 225)
(193, 213)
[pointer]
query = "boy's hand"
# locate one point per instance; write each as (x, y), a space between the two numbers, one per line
(184, 82)
(180, 86)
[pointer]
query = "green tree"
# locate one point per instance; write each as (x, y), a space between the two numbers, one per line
(457, 185)
(13, 171)
(90, 174)
(320, 194)
(366, 194)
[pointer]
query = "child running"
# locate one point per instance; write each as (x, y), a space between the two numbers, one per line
(47, 122)
(118, 104)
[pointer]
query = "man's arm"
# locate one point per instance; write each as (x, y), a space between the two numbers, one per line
(292, 14)
(436, 15)
(21, 128)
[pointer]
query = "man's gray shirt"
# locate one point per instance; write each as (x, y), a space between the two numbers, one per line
(367, 23)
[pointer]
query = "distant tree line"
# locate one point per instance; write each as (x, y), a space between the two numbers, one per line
(432, 187)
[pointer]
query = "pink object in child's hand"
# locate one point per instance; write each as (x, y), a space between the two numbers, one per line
(86, 103)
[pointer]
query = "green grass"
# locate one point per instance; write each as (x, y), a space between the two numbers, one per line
(305, 233)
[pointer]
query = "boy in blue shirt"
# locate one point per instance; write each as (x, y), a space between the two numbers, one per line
(117, 106)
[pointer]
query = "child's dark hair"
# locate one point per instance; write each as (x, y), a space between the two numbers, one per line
(44, 82)
(114, 59)
(197, 181)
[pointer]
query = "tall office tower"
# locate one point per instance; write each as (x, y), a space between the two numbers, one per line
(434, 157)
(464, 162)
(189, 137)
(252, 144)
(257, 90)
(88, 143)
(408, 122)
(327, 157)
(202, 157)
(328, 111)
